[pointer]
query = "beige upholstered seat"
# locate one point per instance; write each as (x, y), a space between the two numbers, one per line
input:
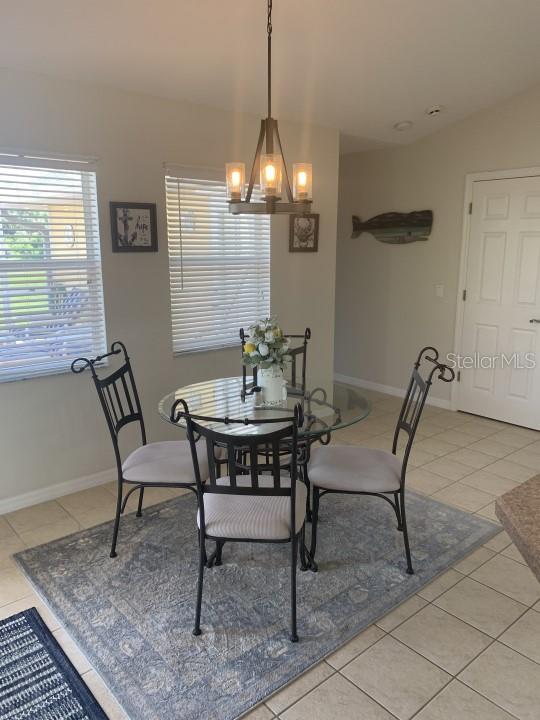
(253, 517)
(348, 468)
(164, 462)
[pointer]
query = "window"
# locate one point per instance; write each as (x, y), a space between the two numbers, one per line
(219, 265)
(51, 299)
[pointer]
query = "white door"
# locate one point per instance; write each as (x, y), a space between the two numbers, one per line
(501, 323)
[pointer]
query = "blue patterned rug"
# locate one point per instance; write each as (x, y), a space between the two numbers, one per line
(37, 681)
(133, 615)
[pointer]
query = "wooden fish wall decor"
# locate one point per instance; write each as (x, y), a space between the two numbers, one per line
(396, 228)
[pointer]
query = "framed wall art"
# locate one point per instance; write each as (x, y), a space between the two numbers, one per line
(133, 227)
(304, 232)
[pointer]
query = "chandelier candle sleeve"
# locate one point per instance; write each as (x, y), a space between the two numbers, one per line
(271, 174)
(236, 181)
(302, 182)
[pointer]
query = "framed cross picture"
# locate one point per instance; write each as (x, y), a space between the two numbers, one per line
(304, 232)
(133, 227)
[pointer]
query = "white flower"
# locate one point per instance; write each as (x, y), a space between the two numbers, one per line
(269, 335)
(263, 349)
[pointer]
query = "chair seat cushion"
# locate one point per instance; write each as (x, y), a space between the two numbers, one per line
(354, 469)
(164, 462)
(253, 517)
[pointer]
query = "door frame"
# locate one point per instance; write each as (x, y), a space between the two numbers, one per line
(470, 179)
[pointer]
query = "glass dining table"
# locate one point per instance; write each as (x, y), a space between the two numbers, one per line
(327, 406)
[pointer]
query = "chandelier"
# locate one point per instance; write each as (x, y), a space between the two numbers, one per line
(269, 166)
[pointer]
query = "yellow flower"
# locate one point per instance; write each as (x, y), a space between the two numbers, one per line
(278, 332)
(249, 347)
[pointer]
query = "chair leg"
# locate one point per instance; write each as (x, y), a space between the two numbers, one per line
(139, 508)
(303, 559)
(406, 535)
(202, 560)
(308, 498)
(117, 519)
(314, 524)
(294, 553)
(397, 510)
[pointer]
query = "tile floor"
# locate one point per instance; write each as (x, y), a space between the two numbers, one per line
(466, 647)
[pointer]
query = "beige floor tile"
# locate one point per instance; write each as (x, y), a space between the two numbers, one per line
(514, 437)
(474, 560)
(336, 697)
(85, 500)
(96, 516)
(489, 512)
(401, 613)
(447, 420)
(426, 482)
(480, 606)
(6, 531)
(68, 645)
(527, 459)
(509, 577)
(419, 457)
(396, 677)
(458, 702)
(53, 531)
(472, 458)
(9, 546)
(104, 696)
(355, 646)
(442, 638)
(499, 542)
(30, 601)
(534, 447)
(524, 635)
(507, 679)
(510, 470)
(491, 447)
(476, 429)
(13, 585)
(464, 497)
(33, 517)
(512, 552)
(455, 437)
(428, 429)
(436, 447)
(448, 468)
(259, 713)
(489, 482)
(440, 584)
(299, 687)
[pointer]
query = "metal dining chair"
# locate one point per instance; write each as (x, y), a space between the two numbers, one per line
(364, 471)
(160, 464)
(246, 505)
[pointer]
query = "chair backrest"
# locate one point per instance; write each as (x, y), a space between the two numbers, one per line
(117, 394)
(262, 448)
(299, 356)
(415, 398)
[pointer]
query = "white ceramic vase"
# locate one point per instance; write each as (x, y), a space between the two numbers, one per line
(273, 385)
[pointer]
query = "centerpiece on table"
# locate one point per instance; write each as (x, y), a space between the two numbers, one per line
(268, 349)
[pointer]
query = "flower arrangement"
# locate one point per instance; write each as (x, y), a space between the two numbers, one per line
(266, 347)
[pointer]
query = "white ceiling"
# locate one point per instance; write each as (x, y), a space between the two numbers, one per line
(356, 65)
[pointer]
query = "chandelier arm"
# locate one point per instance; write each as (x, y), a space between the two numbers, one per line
(256, 161)
(287, 183)
(269, 31)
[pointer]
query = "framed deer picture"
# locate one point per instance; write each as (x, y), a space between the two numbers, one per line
(133, 227)
(304, 232)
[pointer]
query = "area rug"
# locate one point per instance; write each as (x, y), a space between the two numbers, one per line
(36, 678)
(133, 615)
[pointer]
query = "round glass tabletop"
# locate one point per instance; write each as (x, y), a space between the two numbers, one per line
(327, 407)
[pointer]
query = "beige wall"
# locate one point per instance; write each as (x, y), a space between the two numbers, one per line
(50, 428)
(386, 307)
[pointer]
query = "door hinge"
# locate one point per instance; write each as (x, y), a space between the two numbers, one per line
(459, 375)
(464, 295)
(470, 208)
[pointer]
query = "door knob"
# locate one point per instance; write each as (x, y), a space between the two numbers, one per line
(534, 320)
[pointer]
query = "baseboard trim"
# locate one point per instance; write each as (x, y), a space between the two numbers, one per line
(388, 389)
(55, 491)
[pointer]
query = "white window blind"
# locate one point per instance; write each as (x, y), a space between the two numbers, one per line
(51, 299)
(219, 265)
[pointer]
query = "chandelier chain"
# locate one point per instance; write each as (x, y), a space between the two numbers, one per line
(269, 23)
(269, 31)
